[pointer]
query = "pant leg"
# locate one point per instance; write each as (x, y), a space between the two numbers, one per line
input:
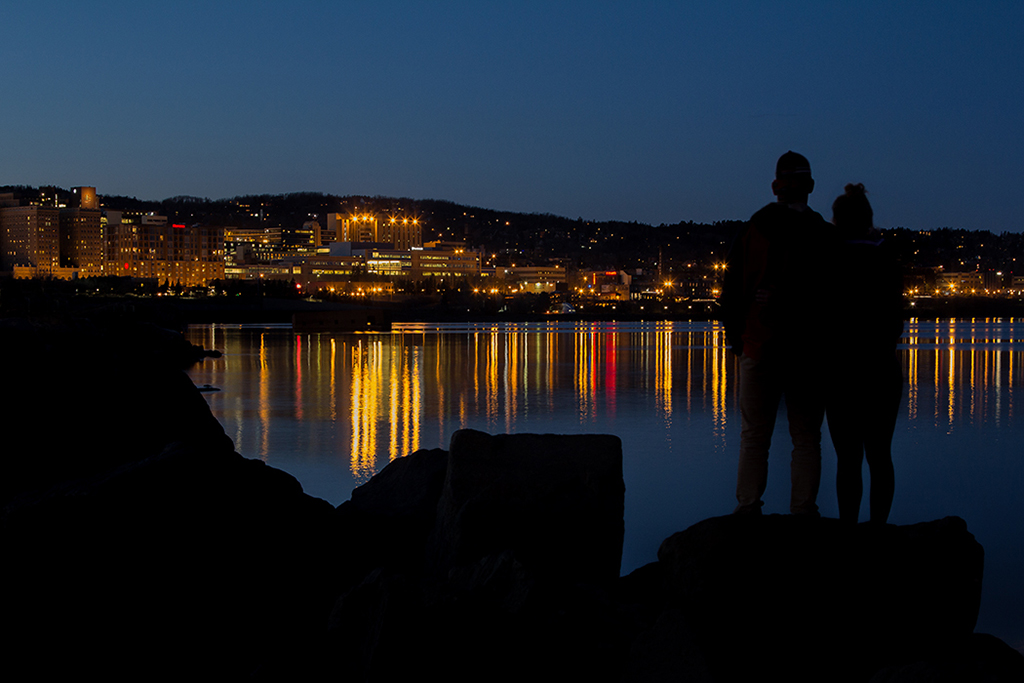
(805, 410)
(760, 392)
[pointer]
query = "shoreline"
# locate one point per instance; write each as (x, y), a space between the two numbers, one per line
(177, 312)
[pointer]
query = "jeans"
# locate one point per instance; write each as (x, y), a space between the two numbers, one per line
(763, 382)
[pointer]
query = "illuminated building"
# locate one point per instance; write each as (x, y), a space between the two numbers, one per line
(960, 283)
(263, 245)
(444, 259)
(535, 279)
(148, 246)
(30, 240)
(314, 273)
(358, 228)
(256, 271)
(81, 235)
(611, 285)
(305, 238)
(389, 262)
(314, 228)
(45, 238)
(401, 232)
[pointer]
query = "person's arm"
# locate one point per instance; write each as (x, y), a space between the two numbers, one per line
(733, 300)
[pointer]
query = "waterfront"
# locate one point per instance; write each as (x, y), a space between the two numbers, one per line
(333, 410)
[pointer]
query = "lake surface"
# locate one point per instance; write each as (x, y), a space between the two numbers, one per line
(333, 410)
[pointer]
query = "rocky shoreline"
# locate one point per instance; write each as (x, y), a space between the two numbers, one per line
(139, 544)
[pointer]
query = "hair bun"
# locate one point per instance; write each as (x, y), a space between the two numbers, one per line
(855, 190)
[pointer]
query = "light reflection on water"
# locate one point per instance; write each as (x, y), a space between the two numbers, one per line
(333, 410)
(967, 370)
(390, 394)
(386, 395)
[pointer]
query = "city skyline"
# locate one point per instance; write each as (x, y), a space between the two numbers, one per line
(654, 112)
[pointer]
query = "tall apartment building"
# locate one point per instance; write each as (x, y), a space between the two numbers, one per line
(360, 227)
(402, 233)
(30, 241)
(81, 235)
(42, 239)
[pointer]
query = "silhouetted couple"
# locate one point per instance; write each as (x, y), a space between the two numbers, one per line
(814, 310)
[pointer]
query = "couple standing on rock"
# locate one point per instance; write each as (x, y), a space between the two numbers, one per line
(814, 311)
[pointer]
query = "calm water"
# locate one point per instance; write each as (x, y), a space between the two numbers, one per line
(334, 409)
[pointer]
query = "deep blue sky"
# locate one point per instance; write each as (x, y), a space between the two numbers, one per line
(648, 111)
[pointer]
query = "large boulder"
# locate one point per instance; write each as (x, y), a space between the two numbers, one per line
(813, 599)
(193, 559)
(555, 501)
(525, 547)
(137, 543)
(388, 519)
(87, 398)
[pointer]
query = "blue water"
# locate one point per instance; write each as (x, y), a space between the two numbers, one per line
(333, 410)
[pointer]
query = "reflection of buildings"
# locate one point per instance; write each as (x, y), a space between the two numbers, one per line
(386, 391)
(387, 395)
(962, 370)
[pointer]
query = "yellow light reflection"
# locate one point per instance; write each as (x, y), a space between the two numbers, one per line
(264, 402)
(663, 373)
(718, 381)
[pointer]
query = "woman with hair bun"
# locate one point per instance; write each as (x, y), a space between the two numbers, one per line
(866, 383)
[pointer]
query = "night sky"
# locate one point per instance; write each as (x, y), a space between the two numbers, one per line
(657, 112)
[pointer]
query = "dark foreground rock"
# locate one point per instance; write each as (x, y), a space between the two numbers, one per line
(138, 545)
(813, 599)
(136, 542)
(556, 502)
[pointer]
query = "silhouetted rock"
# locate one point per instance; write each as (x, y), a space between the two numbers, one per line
(138, 545)
(981, 658)
(88, 398)
(556, 501)
(524, 522)
(194, 559)
(812, 599)
(388, 519)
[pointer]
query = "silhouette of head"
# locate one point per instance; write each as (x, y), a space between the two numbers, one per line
(793, 181)
(851, 211)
